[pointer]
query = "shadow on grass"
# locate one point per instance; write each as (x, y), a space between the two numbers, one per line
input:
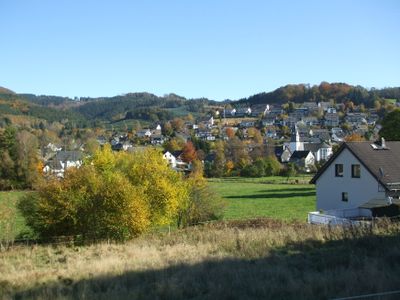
(287, 189)
(272, 195)
(306, 270)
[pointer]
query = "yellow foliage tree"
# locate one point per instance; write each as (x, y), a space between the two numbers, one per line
(113, 195)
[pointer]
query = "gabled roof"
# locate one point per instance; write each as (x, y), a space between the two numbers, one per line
(68, 155)
(375, 159)
(299, 154)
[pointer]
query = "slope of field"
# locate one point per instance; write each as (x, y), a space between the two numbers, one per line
(266, 197)
(12, 223)
(262, 259)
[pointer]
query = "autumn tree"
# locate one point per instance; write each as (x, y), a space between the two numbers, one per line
(167, 129)
(218, 165)
(174, 144)
(189, 152)
(230, 133)
(354, 137)
(113, 195)
(27, 157)
(177, 124)
(237, 152)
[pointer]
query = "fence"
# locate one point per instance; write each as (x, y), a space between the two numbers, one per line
(316, 217)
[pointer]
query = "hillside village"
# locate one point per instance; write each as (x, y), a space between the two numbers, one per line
(304, 134)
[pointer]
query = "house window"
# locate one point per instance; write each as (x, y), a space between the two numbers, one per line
(355, 171)
(345, 197)
(339, 170)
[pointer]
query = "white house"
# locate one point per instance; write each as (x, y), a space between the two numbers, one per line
(63, 161)
(360, 175)
(175, 160)
(322, 151)
(170, 158)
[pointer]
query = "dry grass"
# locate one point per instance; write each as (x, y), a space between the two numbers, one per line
(226, 260)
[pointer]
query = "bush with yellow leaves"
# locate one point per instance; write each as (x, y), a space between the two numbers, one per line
(113, 195)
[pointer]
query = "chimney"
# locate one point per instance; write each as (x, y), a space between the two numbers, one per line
(383, 144)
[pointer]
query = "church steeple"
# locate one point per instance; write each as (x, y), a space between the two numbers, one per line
(295, 143)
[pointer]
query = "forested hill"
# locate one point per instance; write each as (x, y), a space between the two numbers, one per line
(152, 108)
(338, 92)
(143, 106)
(135, 106)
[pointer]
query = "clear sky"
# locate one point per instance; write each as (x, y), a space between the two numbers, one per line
(220, 49)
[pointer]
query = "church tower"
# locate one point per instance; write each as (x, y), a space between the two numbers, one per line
(295, 143)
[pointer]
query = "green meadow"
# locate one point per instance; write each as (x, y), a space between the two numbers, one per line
(272, 197)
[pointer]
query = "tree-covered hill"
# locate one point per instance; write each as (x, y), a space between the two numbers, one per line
(338, 92)
(4, 90)
(17, 105)
(149, 107)
(142, 106)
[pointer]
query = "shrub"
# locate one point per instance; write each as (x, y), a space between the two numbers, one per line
(113, 195)
(202, 205)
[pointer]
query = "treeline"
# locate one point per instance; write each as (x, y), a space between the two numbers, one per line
(46, 100)
(83, 111)
(337, 92)
(137, 105)
(13, 104)
(19, 161)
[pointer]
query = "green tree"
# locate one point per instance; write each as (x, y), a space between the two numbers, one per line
(391, 126)
(272, 167)
(203, 204)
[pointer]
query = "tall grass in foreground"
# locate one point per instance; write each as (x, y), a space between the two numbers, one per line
(227, 260)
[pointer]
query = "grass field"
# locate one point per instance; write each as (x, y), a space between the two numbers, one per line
(230, 259)
(261, 259)
(16, 223)
(270, 197)
(247, 198)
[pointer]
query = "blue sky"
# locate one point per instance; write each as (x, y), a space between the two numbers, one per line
(220, 49)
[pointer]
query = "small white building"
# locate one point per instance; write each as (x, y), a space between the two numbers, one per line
(170, 158)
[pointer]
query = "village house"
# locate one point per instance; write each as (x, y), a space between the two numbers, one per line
(362, 179)
(268, 120)
(145, 133)
(310, 106)
(304, 159)
(157, 139)
(324, 105)
(247, 124)
(331, 119)
(170, 158)
(321, 151)
(355, 118)
(175, 161)
(311, 121)
(62, 161)
(337, 135)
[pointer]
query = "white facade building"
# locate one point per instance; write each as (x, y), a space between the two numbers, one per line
(360, 175)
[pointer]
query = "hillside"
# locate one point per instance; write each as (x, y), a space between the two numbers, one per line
(338, 92)
(151, 108)
(14, 105)
(4, 90)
